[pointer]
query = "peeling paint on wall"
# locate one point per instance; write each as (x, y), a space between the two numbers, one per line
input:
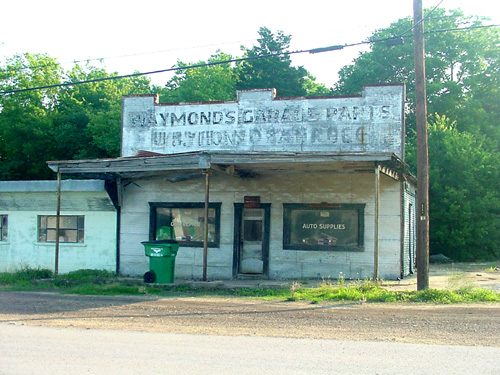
(371, 123)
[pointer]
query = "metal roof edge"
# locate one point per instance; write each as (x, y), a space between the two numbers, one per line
(51, 186)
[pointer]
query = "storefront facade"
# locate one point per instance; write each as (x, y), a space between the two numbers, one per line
(286, 189)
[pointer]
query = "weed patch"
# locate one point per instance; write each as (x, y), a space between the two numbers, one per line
(84, 277)
(100, 282)
(25, 276)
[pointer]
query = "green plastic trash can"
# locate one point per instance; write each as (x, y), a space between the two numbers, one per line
(161, 255)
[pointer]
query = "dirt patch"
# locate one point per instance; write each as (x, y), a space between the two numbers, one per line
(454, 276)
(451, 324)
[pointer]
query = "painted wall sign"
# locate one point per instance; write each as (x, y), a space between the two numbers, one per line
(257, 121)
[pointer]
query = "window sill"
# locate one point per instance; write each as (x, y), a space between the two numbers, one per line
(63, 244)
(351, 249)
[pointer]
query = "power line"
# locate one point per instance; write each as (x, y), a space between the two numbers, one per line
(138, 74)
(193, 66)
(389, 41)
(101, 59)
(467, 28)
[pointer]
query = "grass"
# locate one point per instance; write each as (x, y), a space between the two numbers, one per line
(98, 282)
(368, 291)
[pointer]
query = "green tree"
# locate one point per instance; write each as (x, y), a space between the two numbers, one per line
(207, 83)
(93, 111)
(462, 68)
(26, 117)
(274, 72)
(72, 122)
(464, 195)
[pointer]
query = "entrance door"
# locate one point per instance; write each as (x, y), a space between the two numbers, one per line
(251, 240)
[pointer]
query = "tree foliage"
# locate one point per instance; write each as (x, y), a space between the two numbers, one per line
(220, 82)
(462, 69)
(73, 122)
(464, 196)
(207, 83)
(274, 72)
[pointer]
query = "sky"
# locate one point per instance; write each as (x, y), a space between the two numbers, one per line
(126, 36)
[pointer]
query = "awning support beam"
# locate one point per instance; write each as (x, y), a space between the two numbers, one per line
(205, 222)
(58, 219)
(376, 223)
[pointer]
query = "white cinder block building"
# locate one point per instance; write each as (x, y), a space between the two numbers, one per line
(294, 188)
(87, 234)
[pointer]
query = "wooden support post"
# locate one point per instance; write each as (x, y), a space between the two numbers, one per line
(422, 151)
(119, 200)
(205, 228)
(58, 218)
(375, 226)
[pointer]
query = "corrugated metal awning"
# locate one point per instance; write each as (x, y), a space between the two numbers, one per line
(254, 162)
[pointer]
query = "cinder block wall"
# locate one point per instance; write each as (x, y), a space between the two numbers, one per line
(275, 189)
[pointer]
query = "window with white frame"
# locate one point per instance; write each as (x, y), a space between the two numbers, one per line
(4, 227)
(71, 228)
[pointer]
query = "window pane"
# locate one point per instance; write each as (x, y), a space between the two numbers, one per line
(51, 235)
(51, 221)
(252, 230)
(68, 235)
(184, 224)
(81, 222)
(69, 222)
(81, 236)
(323, 227)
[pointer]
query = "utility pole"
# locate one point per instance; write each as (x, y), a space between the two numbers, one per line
(422, 150)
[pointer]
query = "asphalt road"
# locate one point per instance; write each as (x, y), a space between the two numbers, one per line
(49, 350)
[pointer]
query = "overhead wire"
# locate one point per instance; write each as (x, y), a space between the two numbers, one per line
(390, 41)
(337, 47)
(112, 57)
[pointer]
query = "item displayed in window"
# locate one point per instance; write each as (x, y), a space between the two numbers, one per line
(323, 227)
(184, 222)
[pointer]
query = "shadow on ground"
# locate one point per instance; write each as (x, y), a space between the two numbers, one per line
(46, 303)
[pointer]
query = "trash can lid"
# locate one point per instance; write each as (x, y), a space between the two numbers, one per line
(159, 242)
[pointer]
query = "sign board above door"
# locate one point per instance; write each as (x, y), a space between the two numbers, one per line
(257, 121)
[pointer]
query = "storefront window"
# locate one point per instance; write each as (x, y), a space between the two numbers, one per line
(185, 223)
(323, 227)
